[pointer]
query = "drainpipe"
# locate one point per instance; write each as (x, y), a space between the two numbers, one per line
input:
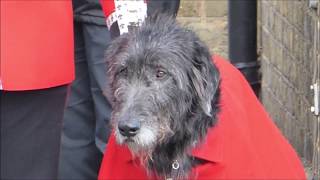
(243, 40)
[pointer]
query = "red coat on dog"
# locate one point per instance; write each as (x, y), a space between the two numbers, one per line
(245, 143)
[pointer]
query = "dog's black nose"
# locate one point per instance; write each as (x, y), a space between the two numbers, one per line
(129, 129)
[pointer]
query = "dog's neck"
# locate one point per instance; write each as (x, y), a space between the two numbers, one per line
(166, 156)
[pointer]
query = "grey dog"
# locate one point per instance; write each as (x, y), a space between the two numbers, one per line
(164, 90)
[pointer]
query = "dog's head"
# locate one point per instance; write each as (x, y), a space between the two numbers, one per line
(162, 84)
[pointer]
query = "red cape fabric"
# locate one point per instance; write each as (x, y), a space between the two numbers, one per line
(108, 7)
(36, 44)
(245, 143)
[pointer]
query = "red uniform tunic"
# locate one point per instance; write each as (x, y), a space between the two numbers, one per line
(245, 143)
(36, 44)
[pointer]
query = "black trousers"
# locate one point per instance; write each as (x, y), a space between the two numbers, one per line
(31, 123)
(86, 118)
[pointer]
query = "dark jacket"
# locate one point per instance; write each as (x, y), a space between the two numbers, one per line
(88, 11)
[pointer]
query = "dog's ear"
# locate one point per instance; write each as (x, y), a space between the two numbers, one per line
(114, 50)
(205, 77)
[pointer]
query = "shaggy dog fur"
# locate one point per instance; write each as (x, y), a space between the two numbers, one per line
(164, 91)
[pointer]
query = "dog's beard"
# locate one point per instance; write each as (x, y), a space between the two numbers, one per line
(142, 143)
(150, 135)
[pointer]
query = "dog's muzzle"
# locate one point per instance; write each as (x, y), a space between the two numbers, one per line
(129, 128)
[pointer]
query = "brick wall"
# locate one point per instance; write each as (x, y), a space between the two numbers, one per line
(289, 45)
(209, 19)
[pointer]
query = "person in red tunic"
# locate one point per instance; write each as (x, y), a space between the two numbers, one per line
(36, 67)
(245, 143)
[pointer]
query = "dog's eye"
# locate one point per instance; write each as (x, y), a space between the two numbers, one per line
(123, 71)
(160, 73)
